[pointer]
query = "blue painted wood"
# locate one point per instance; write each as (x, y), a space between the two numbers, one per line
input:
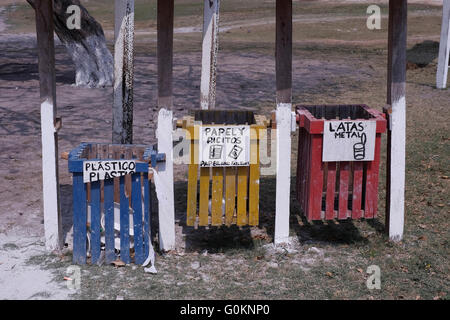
(124, 224)
(147, 210)
(110, 254)
(95, 221)
(136, 202)
(79, 219)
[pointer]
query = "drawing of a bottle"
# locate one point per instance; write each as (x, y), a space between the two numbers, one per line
(359, 148)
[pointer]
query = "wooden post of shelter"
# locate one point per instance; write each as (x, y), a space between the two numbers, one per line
(283, 117)
(165, 15)
(396, 91)
(123, 72)
(47, 82)
(210, 48)
(444, 48)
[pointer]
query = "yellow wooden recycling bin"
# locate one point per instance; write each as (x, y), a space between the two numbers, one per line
(228, 190)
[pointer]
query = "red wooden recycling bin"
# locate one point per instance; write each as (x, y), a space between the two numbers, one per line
(328, 190)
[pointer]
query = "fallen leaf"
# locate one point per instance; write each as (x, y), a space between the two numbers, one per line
(118, 263)
(423, 238)
(329, 274)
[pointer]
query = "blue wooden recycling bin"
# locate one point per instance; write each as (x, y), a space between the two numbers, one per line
(111, 201)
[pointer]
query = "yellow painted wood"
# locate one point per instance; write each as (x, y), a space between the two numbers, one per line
(242, 196)
(230, 194)
(217, 197)
(203, 207)
(253, 203)
(192, 180)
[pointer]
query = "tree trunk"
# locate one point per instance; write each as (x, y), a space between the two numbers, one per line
(87, 46)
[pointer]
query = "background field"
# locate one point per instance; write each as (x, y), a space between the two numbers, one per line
(336, 60)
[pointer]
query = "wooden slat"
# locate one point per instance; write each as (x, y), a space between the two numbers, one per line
(203, 207)
(95, 221)
(300, 166)
(307, 159)
(344, 172)
(116, 155)
(110, 254)
(357, 189)
(137, 218)
(230, 194)
(253, 204)
(192, 181)
(372, 178)
(330, 213)
(124, 224)
(128, 156)
(217, 197)
(79, 219)
(147, 215)
(316, 179)
(242, 196)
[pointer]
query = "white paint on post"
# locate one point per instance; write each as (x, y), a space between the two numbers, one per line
(123, 64)
(210, 48)
(397, 178)
(165, 177)
(52, 216)
(283, 187)
(444, 48)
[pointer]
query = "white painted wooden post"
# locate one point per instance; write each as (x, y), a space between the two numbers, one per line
(395, 189)
(165, 15)
(210, 49)
(444, 47)
(50, 175)
(165, 179)
(283, 118)
(123, 71)
(283, 180)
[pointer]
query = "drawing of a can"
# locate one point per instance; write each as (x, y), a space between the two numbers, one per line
(359, 148)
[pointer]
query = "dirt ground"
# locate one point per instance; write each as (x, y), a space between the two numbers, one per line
(336, 60)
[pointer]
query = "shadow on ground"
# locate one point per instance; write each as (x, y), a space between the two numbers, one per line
(422, 54)
(223, 239)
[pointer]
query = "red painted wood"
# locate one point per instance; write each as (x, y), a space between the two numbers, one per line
(316, 179)
(330, 213)
(300, 165)
(343, 189)
(310, 172)
(357, 189)
(306, 178)
(372, 181)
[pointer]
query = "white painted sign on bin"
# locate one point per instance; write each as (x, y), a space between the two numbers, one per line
(224, 146)
(107, 169)
(349, 141)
